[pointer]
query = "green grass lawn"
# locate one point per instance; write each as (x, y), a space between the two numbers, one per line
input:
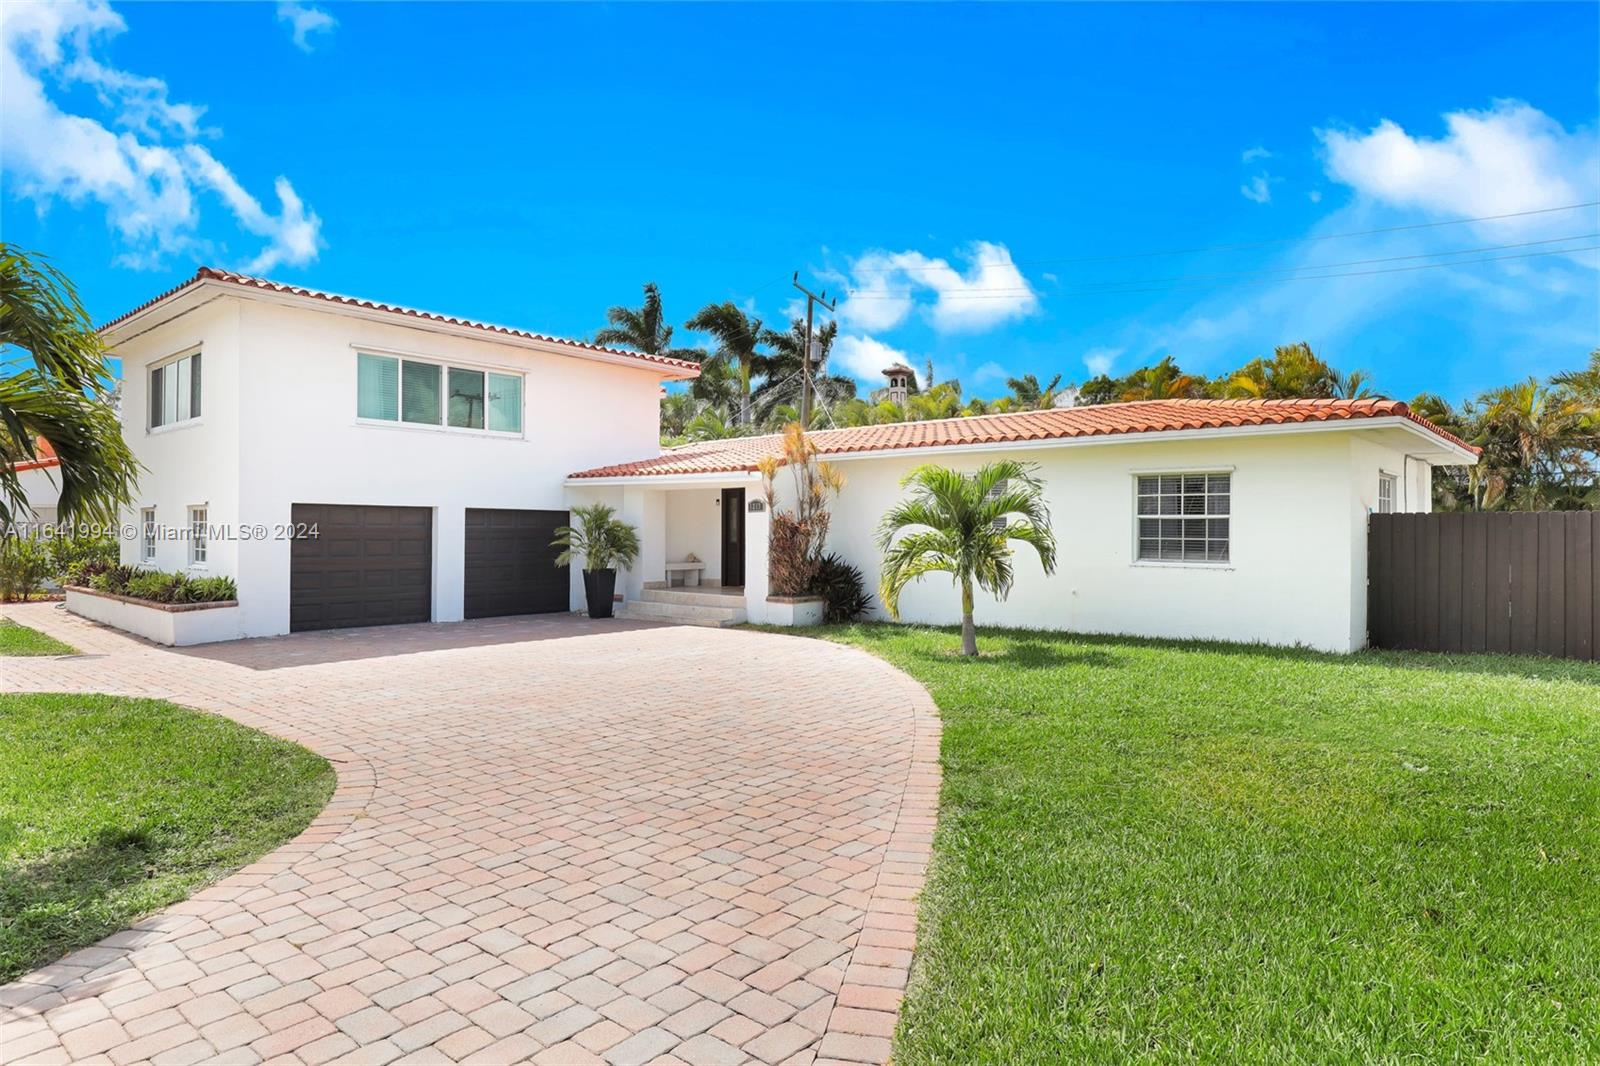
(20, 640)
(1162, 852)
(111, 808)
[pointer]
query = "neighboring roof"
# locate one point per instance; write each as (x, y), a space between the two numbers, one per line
(1062, 423)
(46, 457)
(897, 368)
(212, 274)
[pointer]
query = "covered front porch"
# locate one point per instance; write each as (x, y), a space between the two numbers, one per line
(703, 544)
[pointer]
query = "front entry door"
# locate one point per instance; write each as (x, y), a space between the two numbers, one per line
(733, 537)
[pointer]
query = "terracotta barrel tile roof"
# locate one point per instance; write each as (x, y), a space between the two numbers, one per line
(246, 281)
(1061, 423)
(44, 456)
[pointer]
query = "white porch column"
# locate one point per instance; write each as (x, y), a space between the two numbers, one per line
(646, 511)
(449, 563)
(757, 526)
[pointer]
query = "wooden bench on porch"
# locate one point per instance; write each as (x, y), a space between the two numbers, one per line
(688, 573)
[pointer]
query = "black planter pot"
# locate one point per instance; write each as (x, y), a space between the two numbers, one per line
(598, 587)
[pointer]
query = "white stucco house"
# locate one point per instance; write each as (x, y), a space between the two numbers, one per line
(40, 481)
(434, 456)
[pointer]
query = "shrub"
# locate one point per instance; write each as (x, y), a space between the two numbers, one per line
(73, 558)
(210, 590)
(156, 586)
(795, 537)
(24, 567)
(843, 587)
(161, 586)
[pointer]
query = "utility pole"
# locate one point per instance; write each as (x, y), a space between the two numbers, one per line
(812, 299)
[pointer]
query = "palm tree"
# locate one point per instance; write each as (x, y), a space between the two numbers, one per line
(678, 409)
(645, 330)
(962, 525)
(738, 339)
(58, 399)
(1164, 381)
(1356, 385)
(710, 424)
(1293, 372)
(783, 369)
(1030, 395)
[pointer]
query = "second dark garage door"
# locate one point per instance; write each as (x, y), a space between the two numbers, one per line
(366, 566)
(511, 566)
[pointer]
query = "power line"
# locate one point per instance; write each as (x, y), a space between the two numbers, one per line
(1103, 286)
(1241, 245)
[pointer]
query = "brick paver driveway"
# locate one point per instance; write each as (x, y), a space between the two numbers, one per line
(553, 839)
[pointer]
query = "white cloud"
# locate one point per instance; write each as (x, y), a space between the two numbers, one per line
(864, 358)
(1100, 360)
(991, 372)
(305, 20)
(1258, 189)
(141, 164)
(1315, 196)
(1250, 155)
(1512, 157)
(885, 286)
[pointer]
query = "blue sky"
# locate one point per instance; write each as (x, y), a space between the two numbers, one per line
(984, 180)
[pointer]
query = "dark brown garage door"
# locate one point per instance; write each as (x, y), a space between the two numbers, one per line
(367, 566)
(511, 567)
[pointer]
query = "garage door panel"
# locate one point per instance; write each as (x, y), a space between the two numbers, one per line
(366, 566)
(510, 563)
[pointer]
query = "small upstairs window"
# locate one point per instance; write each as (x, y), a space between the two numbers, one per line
(175, 391)
(147, 535)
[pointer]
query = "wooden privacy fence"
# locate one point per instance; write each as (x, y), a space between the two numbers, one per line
(1520, 583)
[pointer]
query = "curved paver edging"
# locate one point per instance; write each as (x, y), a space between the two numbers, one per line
(675, 866)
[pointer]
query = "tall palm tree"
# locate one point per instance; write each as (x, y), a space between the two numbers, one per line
(1163, 381)
(1030, 395)
(738, 337)
(962, 525)
(783, 369)
(57, 400)
(645, 329)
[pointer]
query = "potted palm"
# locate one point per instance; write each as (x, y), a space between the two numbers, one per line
(604, 542)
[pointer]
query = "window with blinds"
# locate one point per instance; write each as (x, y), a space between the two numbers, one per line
(390, 389)
(1184, 518)
(175, 391)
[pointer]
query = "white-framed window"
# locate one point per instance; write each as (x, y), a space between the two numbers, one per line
(147, 535)
(417, 392)
(175, 391)
(1387, 484)
(198, 543)
(1183, 518)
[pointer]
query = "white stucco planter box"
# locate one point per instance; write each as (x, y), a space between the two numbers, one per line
(795, 610)
(173, 624)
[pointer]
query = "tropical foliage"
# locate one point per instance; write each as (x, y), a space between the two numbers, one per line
(963, 525)
(58, 397)
(163, 586)
(1540, 441)
(798, 533)
(842, 588)
(602, 540)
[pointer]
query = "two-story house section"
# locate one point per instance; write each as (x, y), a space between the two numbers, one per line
(353, 463)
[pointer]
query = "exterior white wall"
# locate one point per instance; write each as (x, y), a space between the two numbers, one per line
(1370, 458)
(187, 464)
(279, 427)
(42, 488)
(694, 526)
(1297, 568)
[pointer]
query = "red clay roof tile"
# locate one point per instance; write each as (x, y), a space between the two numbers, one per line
(1149, 416)
(246, 281)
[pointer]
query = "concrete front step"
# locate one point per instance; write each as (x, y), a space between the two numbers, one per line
(697, 597)
(681, 613)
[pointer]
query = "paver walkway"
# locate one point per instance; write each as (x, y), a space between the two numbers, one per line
(553, 839)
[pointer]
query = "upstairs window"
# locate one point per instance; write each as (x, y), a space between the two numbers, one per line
(389, 389)
(1386, 493)
(175, 391)
(1184, 517)
(147, 535)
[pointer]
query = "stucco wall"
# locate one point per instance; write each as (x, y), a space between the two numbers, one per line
(693, 526)
(1296, 573)
(42, 488)
(280, 428)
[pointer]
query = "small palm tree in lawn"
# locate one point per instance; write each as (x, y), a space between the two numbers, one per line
(962, 525)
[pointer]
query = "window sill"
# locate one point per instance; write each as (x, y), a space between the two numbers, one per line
(1159, 564)
(173, 427)
(452, 431)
